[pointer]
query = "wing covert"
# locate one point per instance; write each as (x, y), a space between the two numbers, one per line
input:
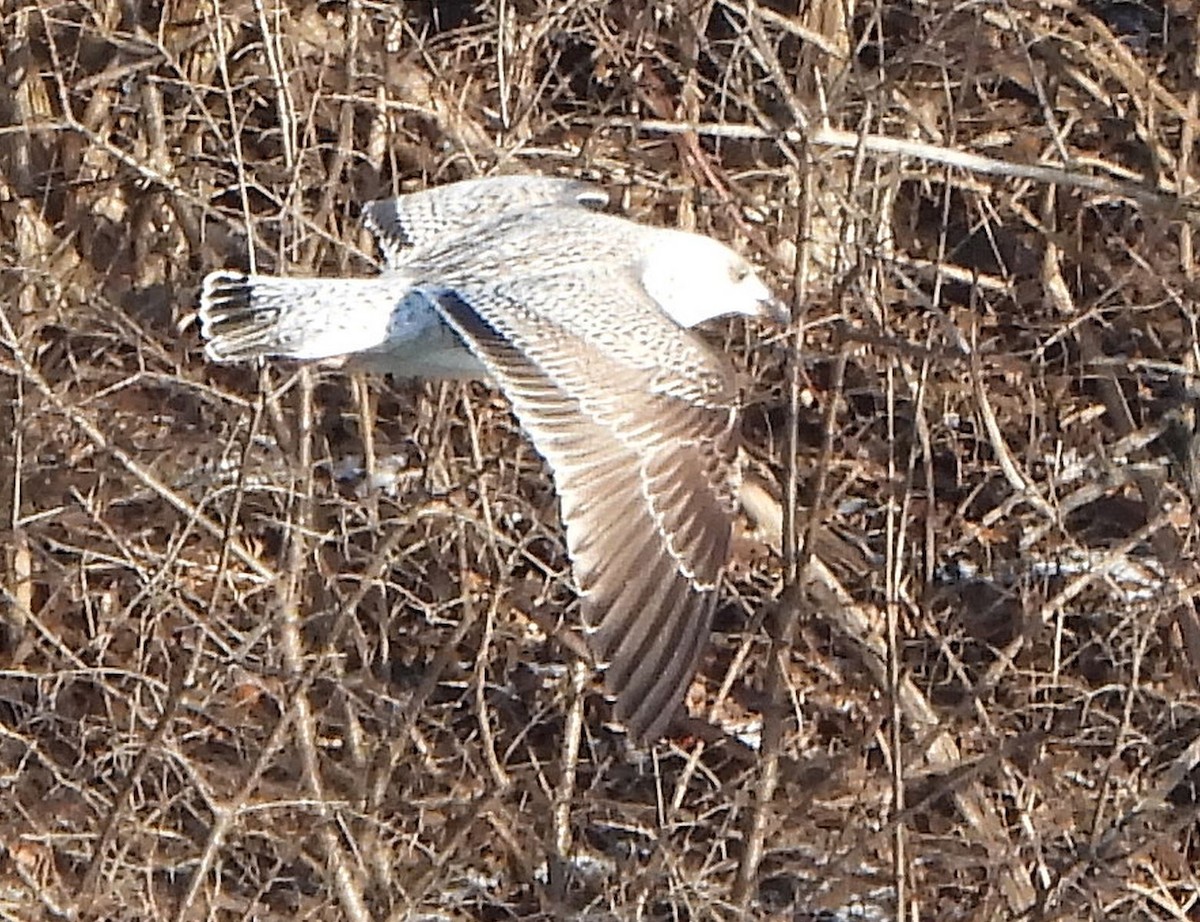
(409, 222)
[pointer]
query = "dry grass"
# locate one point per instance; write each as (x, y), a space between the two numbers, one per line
(237, 682)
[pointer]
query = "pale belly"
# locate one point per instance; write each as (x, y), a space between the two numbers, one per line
(419, 345)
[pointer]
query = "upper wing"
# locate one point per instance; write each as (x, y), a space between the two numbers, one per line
(411, 221)
(643, 463)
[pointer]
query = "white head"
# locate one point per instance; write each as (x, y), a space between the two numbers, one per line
(695, 278)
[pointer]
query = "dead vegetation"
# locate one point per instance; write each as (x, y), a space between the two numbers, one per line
(238, 679)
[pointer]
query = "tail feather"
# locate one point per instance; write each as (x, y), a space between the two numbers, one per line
(244, 317)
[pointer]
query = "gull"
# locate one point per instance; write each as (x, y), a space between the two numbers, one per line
(583, 319)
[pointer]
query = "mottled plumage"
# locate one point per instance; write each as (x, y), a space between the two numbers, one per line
(406, 224)
(581, 318)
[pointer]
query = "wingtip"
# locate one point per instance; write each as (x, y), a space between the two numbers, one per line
(650, 721)
(589, 195)
(648, 706)
(374, 215)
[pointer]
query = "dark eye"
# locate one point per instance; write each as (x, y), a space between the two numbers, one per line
(741, 273)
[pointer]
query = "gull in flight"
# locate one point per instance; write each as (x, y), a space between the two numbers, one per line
(583, 319)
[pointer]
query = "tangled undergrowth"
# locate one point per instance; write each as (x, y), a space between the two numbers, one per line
(286, 644)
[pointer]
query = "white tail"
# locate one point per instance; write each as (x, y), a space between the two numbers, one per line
(247, 316)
